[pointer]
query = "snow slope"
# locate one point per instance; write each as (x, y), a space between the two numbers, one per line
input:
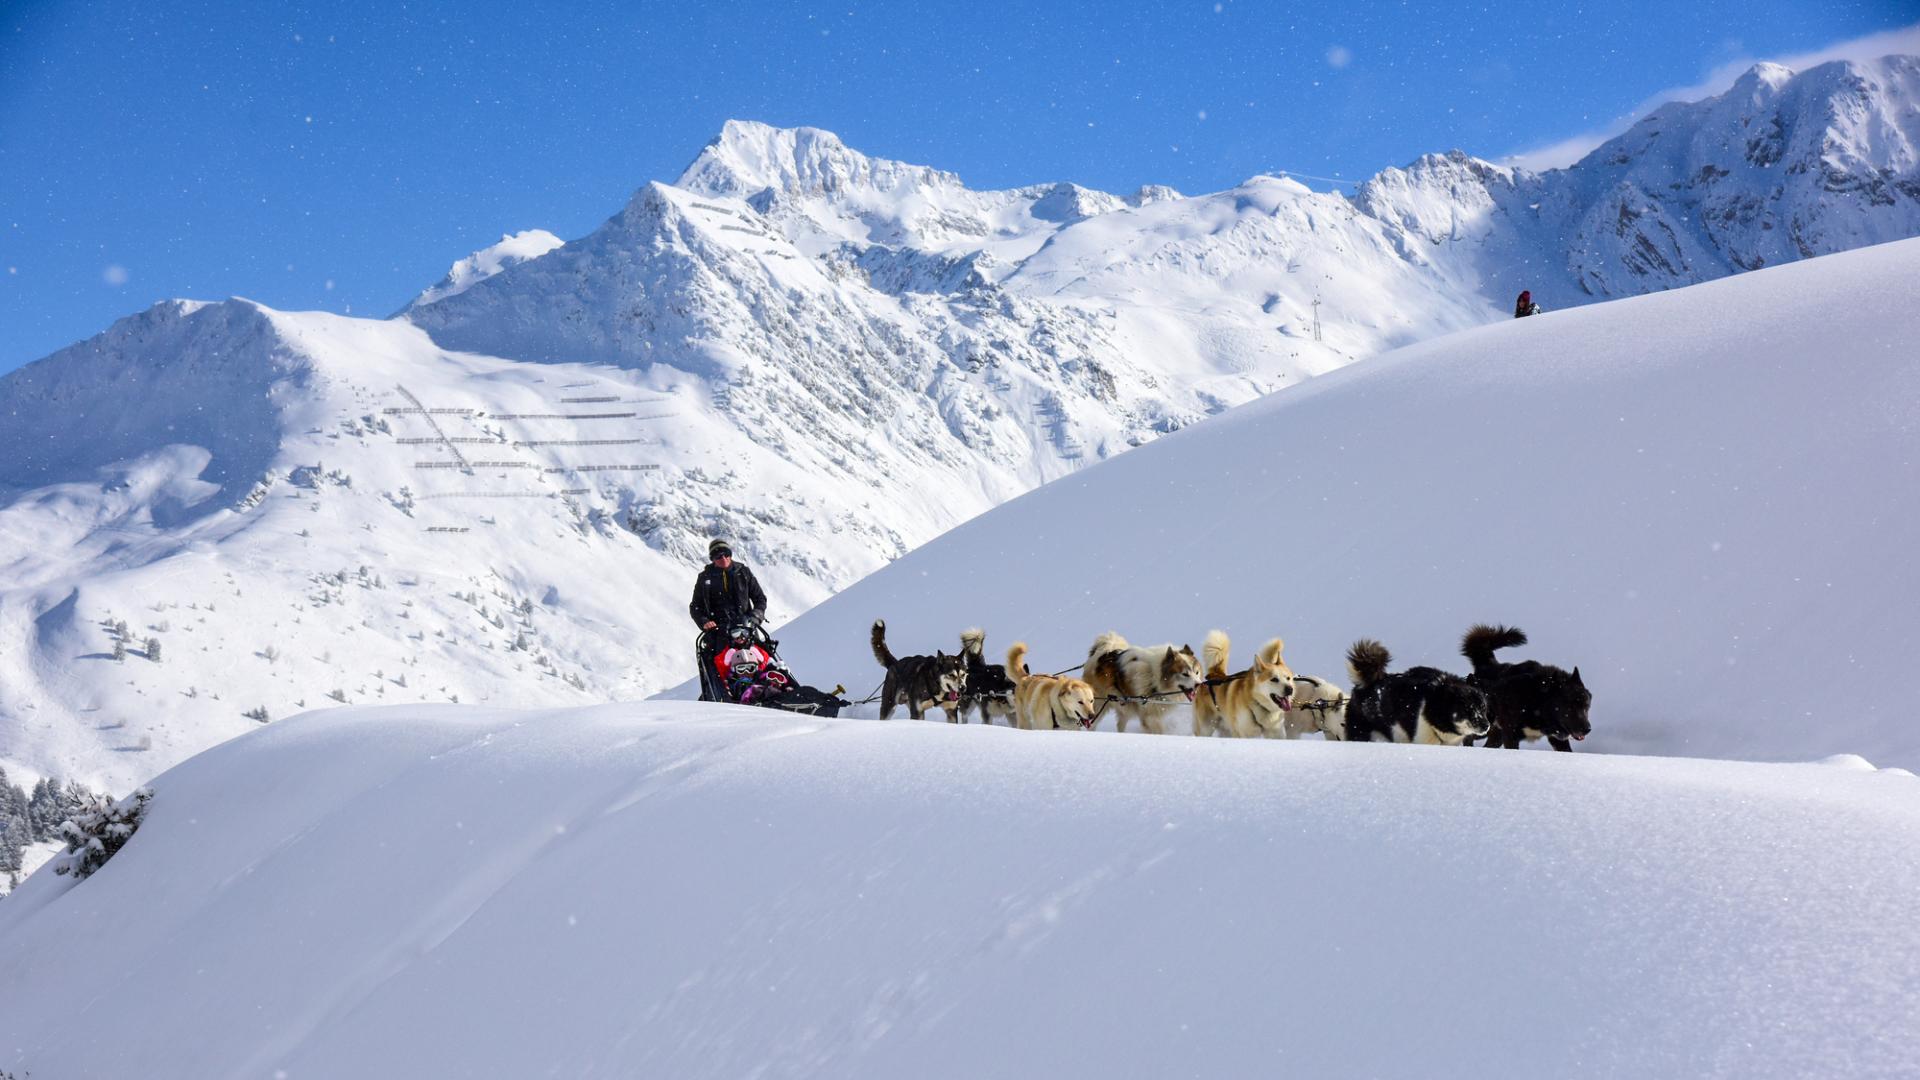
(693, 891)
(1702, 498)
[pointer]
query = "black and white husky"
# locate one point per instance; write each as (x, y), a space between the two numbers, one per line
(919, 682)
(987, 690)
(1420, 705)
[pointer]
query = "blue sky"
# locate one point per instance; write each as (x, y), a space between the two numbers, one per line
(339, 156)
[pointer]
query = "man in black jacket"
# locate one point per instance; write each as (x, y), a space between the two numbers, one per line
(725, 595)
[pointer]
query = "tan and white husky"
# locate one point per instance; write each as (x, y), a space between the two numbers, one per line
(1048, 702)
(1251, 705)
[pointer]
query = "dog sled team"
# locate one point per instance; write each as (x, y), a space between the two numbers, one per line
(1152, 685)
(1159, 686)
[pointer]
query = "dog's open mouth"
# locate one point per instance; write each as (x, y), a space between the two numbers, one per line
(1189, 692)
(1579, 738)
(1285, 703)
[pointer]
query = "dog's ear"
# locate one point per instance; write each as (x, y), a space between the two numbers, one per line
(1576, 676)
(1188, 649)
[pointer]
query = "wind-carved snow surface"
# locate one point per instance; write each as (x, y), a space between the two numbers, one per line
(1700, 497)
(681, 890)
(826, 357)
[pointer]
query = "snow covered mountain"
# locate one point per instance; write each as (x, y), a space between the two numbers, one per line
(502, 494)
(1698, 497)
(1782, 166)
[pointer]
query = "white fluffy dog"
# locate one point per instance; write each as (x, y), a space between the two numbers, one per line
(1166, 673)
(1318, 705)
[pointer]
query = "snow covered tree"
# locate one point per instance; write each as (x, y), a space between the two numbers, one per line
(97, 831)
(119, 648)
(15, 830)
(153, 649)
(45, 810)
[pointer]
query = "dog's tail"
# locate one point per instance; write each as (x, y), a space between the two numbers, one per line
(1367, 662)
(1109, 642)
(1103, 660)
(1213, 653)
(880, 650)
(1481, 641)
(1017, 660)
(973, 643)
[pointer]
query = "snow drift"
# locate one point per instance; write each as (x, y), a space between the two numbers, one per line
(693, 891)
(1703, 498)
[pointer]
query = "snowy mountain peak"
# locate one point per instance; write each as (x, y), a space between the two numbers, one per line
(748, 157)
(513, 249)
(1152, 193)
(820, 194)
(1765, 76)
(1065, 203)
(1779, 167)
(181, 371)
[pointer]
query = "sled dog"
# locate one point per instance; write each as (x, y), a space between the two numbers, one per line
(1318, 705)
(1248, 705)
(920, 682)
(1422, 704)
(1048, 702)
(987, 690)
(1529, 700)
(1168, 674)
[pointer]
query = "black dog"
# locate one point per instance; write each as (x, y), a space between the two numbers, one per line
(1423, 704)
(987, 691)
(1530, 699)
(920, 682)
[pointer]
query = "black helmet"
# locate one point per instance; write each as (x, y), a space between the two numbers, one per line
(718, 548)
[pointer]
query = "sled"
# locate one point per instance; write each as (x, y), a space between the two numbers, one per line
(797, 698)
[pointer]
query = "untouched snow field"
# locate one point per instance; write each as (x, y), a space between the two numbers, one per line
(1704, 498)
(690, 891)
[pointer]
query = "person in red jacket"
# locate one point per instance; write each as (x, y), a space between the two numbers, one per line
(1525, 306)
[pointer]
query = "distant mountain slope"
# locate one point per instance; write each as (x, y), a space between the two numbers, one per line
(1697, 496)
(1780, 167)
